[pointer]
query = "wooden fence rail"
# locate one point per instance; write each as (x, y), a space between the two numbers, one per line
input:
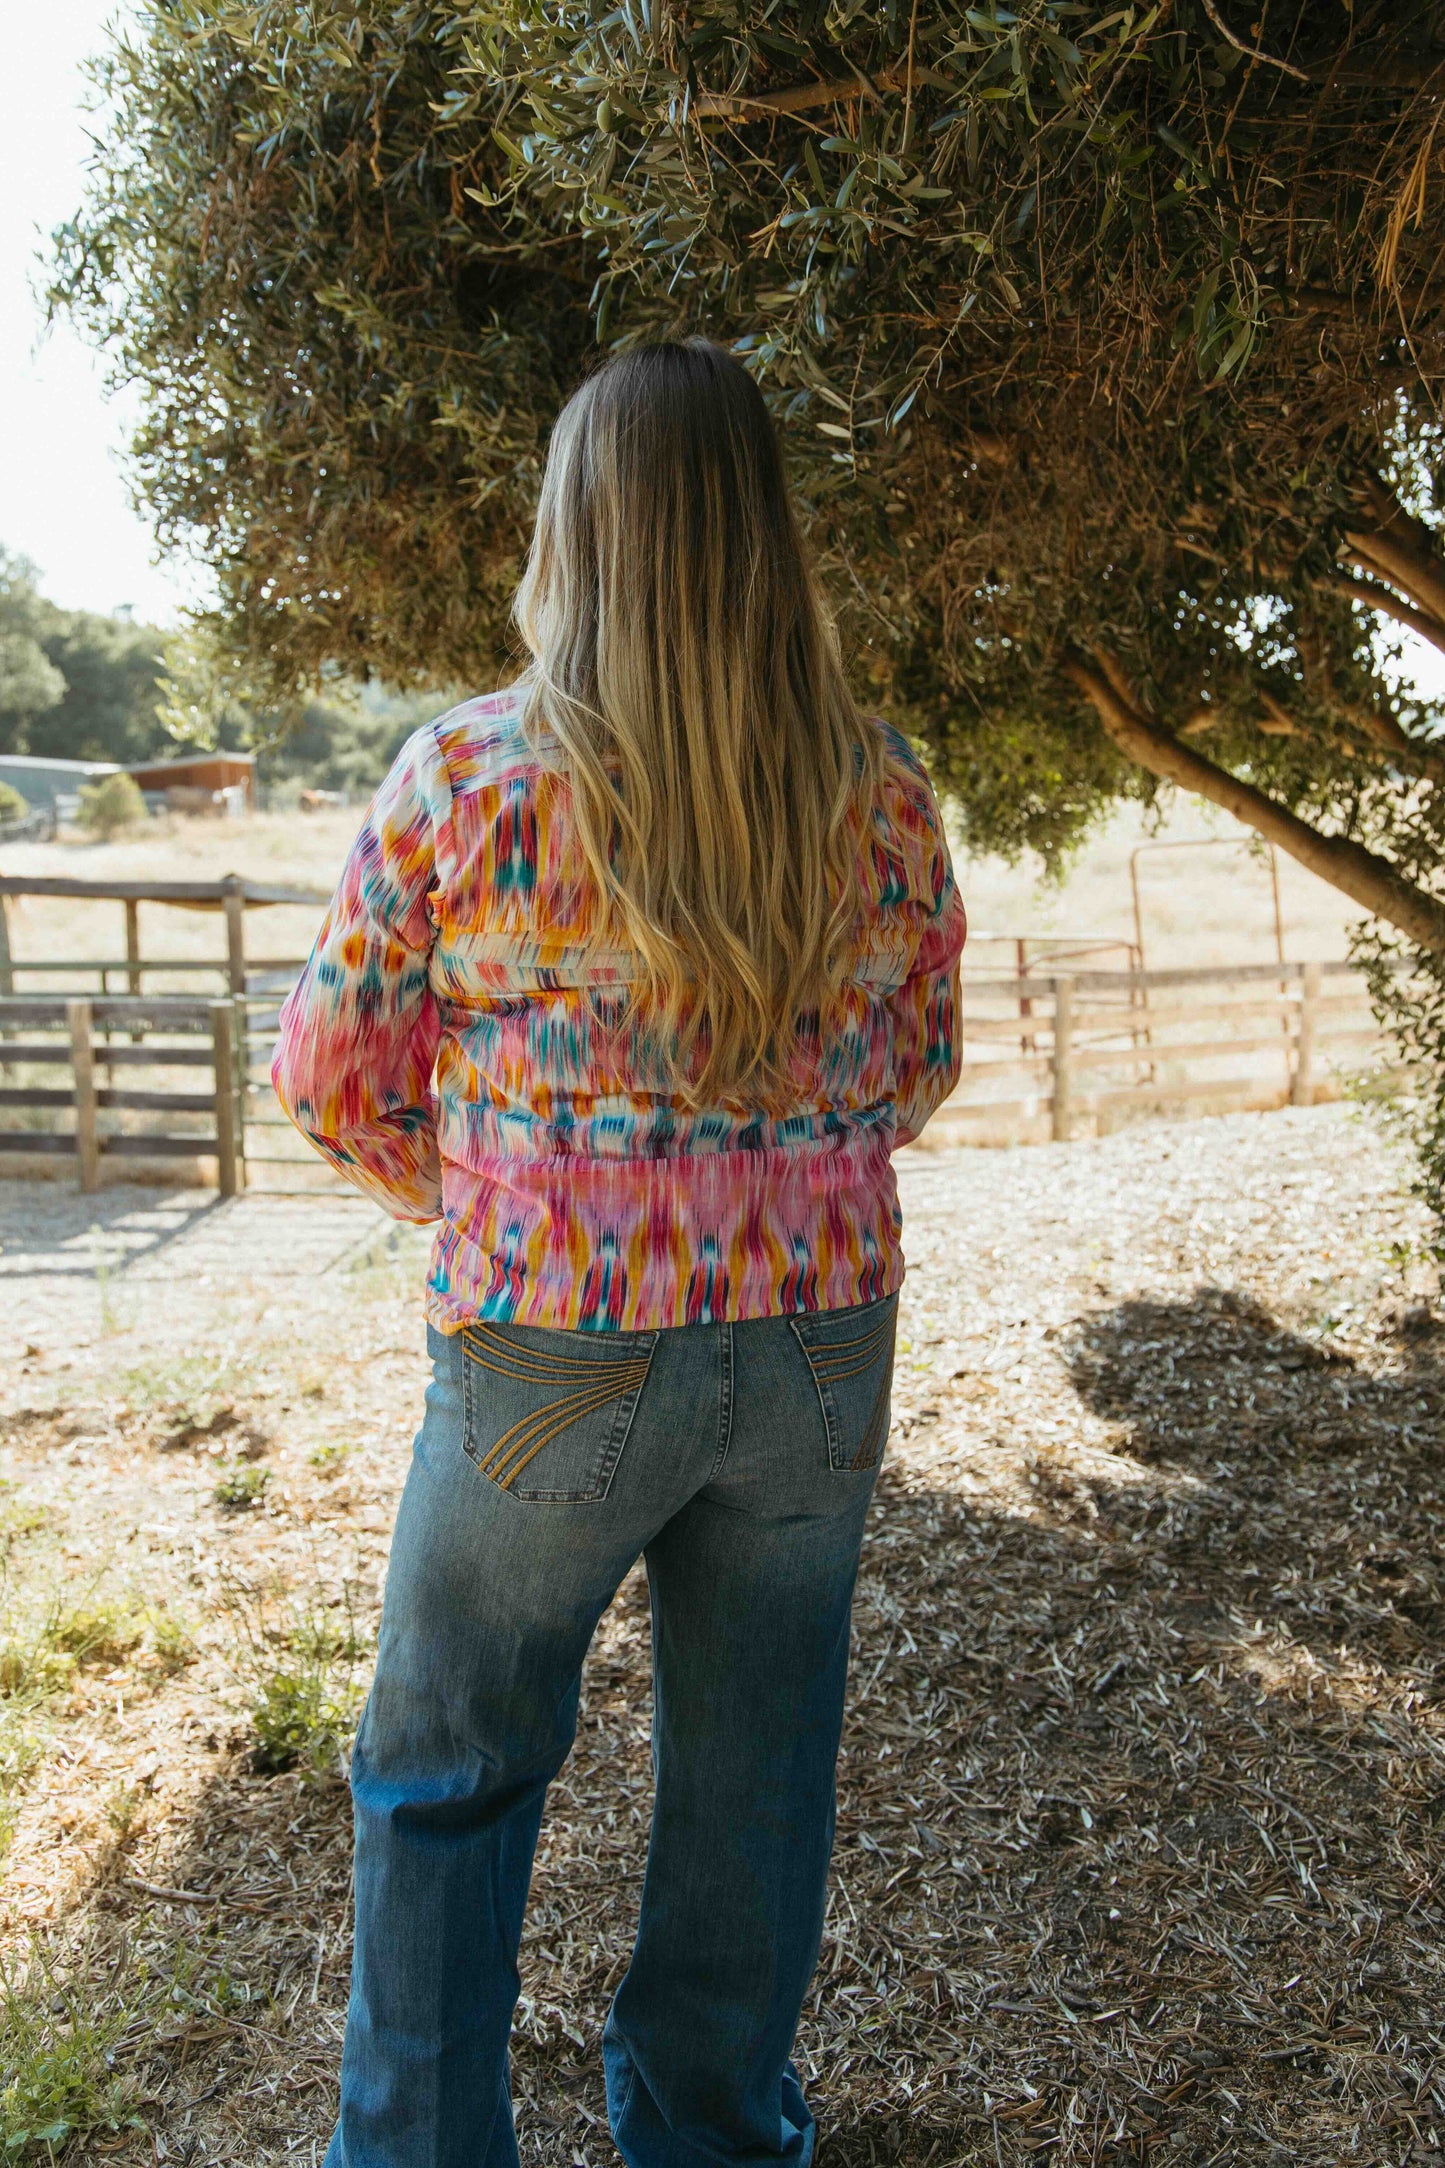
(1096, 1046)
(60, 1033)
(1045, 1054)
(232, 897)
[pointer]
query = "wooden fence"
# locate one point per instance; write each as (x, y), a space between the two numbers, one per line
(253, 984)
(88, 1043)
(231, 898)
(1053, 1045)
(1049, 1056)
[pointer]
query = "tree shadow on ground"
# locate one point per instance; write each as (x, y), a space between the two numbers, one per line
(1141, 1804)
(53, 1231)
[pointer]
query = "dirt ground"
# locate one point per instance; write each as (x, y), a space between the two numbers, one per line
(1142, 1800)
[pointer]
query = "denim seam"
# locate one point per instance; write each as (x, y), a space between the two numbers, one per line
(626, 1417)
(725, 1397)
(824, 1392)
(631, 2087)
(843, 1355)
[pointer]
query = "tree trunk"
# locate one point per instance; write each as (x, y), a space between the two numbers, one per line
(1357, 872)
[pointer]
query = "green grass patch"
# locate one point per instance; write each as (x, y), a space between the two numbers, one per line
(191, 1384)
(57, 2080)
(33, 1672)
(18, 1517)
(299, 1665)
(102, 1633)
(241, 1488)
(172, 1641)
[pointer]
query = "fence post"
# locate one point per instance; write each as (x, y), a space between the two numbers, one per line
(82, 1064)
(7, 975)
(1063, 1058)
(234, 903)
(132, 952)
(223, 1055)
(1302, 1084)
(235, 908)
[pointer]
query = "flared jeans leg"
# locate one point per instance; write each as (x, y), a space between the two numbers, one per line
(740, 1461)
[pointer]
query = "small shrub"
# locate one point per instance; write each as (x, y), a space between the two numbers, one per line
(103, 1635)
(171, 1640)
(301, 1721)
(110, 805)
(241, 1488)
(56, 2083)
(30, 1671)
(299, 1670)
(12, 806)
(124, 1809)
(31, 1674)
(19, 1752)
(195, 1425)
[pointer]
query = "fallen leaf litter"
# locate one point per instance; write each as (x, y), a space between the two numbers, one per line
(1143, 1789)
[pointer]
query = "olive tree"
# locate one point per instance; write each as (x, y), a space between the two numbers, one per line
(1107, 343)
(1106, 340)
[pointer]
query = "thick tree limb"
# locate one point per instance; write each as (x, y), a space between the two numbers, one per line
(1376, 597)
(1375, 725)
(1402, 547)
(1357, 872)
(1277, 722)
(1425, 755)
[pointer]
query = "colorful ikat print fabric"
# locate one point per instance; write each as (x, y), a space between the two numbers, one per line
(458, 1048)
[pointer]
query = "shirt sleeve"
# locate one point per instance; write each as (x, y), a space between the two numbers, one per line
(927, 1009)
(359, 1032)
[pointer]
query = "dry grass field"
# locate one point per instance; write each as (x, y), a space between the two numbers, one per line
(1142, 1827)
(1206, 900)
(1205, 894)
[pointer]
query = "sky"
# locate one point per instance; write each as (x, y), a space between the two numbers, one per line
(63, 501)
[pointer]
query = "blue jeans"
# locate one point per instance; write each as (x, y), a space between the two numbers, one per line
(739, 1460)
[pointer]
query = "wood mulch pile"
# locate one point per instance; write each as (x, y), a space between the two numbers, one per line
(1142, 1802)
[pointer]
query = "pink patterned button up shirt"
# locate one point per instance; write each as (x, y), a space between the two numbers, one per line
(458, 1048)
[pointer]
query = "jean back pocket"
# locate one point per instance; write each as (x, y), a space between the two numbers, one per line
(547, 1413)
(850, 1353)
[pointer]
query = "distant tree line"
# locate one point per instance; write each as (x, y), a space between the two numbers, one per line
(74, 685)
(80, 685)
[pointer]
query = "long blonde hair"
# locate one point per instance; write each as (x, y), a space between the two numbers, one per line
(681, 658)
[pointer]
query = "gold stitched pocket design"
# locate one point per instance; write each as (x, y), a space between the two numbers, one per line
(850, 1354)
(562, 1394)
